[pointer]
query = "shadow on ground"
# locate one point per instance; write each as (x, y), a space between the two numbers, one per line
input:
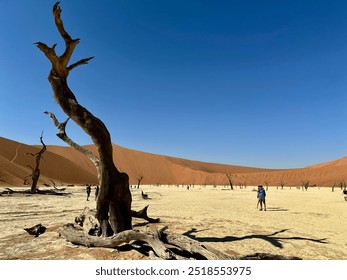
(276, 209)
(271, 238)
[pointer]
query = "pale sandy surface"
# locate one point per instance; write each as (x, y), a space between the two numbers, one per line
(311, 225)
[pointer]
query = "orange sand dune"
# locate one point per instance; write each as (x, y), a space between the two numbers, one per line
(65, 165)
(15, 161)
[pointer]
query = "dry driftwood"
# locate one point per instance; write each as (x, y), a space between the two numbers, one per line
(164, 244)
(36, 230)
(142, 214)
(9, 191)
(77, 235)
(186, 244)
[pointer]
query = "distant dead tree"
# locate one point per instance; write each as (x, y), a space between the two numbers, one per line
(139, 179)
(333, 187)
(229, 176)
(266, 184)
(35, 174)
(305, 184)
(282, 183)
(342, 185)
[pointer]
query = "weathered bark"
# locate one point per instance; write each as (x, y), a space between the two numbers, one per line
(35, 175)
(63, 136)
(164, 244)
(89, 215)
(76, 235)
(194, 247)
(114, 199)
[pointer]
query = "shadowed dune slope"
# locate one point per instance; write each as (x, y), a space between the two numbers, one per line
(16, 163)
(68, 166)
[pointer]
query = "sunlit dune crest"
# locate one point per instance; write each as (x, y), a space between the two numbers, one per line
(64, 165)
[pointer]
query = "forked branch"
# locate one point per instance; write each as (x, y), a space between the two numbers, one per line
(60, 66)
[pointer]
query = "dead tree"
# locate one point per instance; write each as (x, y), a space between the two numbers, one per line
(230, 181)
(139, 179)
(305, 184)
(342, 185)
(35, 174)
(282, 183)
(114, 200)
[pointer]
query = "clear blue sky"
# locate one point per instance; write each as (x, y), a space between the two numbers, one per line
(255, 83)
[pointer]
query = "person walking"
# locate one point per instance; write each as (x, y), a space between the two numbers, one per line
(261, 198)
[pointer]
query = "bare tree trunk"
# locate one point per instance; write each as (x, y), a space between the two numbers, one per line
(35, 175)
(139, 179)
(114, 200)
(229, 179)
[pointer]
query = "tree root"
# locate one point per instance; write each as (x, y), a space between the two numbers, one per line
(164, 245)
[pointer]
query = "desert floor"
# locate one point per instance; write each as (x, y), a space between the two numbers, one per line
(307, 224)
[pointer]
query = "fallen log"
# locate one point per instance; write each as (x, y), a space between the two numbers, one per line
(77, 235)
(165, 245)
(193, 247)
(9, 191)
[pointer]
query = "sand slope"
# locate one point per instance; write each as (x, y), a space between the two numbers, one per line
(65, 165)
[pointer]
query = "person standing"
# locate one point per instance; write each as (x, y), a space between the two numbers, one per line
(89, 189)
(261, 198)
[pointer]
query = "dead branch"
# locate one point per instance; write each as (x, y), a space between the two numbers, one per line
(164, 244)
(9, 191)
(143, 215)
(63, 136)
(76, 235)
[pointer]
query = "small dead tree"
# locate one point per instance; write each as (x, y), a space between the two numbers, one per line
(229, 176)
(35, 174)
(282, 183)
(139, 179)
(342, 185)
(305, 184)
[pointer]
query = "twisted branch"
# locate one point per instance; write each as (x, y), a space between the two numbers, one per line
(63, 136)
